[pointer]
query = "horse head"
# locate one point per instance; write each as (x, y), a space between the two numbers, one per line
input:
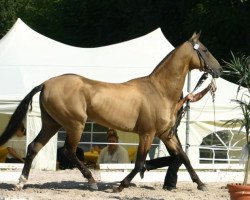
(202, 59)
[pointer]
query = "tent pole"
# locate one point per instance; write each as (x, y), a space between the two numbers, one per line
(188, 114)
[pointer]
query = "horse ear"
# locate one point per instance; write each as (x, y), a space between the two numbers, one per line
(195, 37)
(198, 34)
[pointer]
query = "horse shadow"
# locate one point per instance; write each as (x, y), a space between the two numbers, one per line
(7, 186)
(67, 185)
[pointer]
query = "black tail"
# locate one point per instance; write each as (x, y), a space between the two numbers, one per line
(18, 116)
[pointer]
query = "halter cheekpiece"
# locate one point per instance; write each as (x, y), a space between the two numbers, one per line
(196, 47)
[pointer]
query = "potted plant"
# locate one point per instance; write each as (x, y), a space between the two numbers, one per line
(239, 70)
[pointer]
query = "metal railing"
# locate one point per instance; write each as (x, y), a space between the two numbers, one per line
(227, 161)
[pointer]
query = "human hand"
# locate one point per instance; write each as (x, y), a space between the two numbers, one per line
(212, 87)
(190, 97)
(11, 150)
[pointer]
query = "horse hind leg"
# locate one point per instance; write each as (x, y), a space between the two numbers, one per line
(46, 133)
(73, 138)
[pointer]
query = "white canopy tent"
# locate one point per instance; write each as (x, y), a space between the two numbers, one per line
(28, 58)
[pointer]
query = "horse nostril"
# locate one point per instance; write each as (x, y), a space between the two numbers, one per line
(217, 73)
(220, 70)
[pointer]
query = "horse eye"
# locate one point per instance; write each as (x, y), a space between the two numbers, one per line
(205, 50)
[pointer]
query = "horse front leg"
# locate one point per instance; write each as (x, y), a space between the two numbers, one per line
(143, 148)
(174, 146)
(195, 178)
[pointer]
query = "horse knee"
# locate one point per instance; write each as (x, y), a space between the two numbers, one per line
(70, 155)
(31, 151)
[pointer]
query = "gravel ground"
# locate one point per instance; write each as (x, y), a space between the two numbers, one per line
(69, 184)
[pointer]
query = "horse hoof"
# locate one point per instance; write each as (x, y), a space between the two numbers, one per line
(93, 186)
(116, 189)
(19, 187)
(142, 172)
(202, 188)
(142, 175)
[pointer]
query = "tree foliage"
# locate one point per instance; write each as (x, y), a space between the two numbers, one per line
(9, 11)
(239, 68)
(91, 23)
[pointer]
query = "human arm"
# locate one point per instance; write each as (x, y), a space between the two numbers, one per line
(211, 87)
(196, 97)
(13, 153)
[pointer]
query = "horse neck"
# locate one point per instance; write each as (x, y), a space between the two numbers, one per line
(169, 76)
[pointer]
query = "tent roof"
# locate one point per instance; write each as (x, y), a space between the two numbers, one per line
(28, 58)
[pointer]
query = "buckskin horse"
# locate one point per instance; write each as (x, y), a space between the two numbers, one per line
(145, 105)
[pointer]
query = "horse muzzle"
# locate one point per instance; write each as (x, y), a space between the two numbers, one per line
(215, 72)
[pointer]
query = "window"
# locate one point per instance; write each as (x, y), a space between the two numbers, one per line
(222, 147)
(93, 135)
